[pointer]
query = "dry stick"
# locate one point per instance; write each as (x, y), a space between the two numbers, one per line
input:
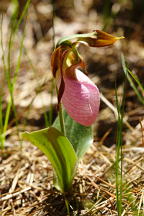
(134, 164)
(103, 181)
(100, 188)
(9, 196)
(137, 149)
(99, 206)
(14, 182)
(141, 203)
(142, 131)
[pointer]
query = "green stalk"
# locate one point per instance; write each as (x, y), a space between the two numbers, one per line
(119, 161)
(4, 65)
(67, 205)
(1, 124)
(47, 124)
(61, 119)
(6, 121)
(1, 115)
(60, 113)
(15, 79)
(119, 179)
(7, 65)
(51, 103)
(131, 78)
(11, 82)
(49, 117)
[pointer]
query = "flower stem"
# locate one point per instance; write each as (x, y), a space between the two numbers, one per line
(61, 119)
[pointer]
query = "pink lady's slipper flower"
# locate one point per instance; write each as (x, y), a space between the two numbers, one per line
(79, 95)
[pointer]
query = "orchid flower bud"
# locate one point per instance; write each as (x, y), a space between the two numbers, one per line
(102, 39)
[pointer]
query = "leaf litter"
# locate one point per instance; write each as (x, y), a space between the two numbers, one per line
(25, 173)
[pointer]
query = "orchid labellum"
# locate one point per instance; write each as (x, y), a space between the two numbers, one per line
(79, 95)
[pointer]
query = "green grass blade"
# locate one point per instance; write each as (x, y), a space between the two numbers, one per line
(118, 163)
(24, 12)
(46, 120)
(7, 61)
(1, 125)
(10, 44)
(136, 79)
(51, 103)
(129, 74)
(7, 117)
(19, 59)
(2, 138)
(1, 115)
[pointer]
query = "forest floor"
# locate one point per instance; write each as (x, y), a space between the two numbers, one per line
(26, 176)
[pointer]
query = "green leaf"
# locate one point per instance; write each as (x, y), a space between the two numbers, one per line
(60, 153)
(80, 136)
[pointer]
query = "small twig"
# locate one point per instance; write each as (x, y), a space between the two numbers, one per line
(100, 188)
(134, 163)
(137, 149)
(15, 181)
(103, 181)
(9, 196)
(141, 203)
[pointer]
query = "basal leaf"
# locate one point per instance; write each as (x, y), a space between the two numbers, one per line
(60, 153)
(80, 136)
